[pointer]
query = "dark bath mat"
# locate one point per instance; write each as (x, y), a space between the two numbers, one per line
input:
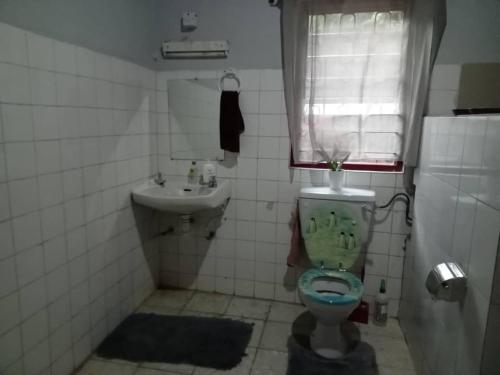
(360, 360)
(208, 342)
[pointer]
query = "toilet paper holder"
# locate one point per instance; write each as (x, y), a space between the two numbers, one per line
(447, 281)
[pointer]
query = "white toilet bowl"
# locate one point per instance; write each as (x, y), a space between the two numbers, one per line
(330, 296)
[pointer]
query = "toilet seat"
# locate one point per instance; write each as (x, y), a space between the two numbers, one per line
(345, 288)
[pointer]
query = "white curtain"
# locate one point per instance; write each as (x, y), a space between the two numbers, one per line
(426, 27)
(344, 70)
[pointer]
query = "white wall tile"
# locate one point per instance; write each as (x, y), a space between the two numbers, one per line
(13, 45)
(32, 298)
(64, 57)
(4, 202)
(29, 265)
(20, 160)
(17, 123)
(23, 196)
(45, 124)
(27, 231)
(40, 52)
(11, 347)
(43, 87)
(485, 237)
(6, 239)
(14, 84)
(9, 312)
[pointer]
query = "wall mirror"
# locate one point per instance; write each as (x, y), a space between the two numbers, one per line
(193, 106)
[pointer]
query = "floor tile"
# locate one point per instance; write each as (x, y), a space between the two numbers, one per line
(199, 313)
(390, 352)
(275, 336)
(172, 367)
(242, 369)
(209, 302)
(395, 371)
(391, 329)
(248, 308)
(270, 362)
(149, 371)
(160, 310)
(285, 312)
(174, 298)
(94, 367)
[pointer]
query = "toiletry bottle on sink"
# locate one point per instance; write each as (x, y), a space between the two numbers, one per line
(193, 173)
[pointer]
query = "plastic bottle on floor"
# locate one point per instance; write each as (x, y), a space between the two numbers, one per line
(381, 305)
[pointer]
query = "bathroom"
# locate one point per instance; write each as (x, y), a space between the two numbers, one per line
(97, 114)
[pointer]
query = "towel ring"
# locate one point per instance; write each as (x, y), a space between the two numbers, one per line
(229, 75)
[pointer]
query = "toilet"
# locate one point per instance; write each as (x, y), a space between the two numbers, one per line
(335, 226)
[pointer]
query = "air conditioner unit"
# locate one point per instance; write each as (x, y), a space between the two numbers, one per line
(195, 49)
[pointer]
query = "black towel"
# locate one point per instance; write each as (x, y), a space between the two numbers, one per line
(231, 121)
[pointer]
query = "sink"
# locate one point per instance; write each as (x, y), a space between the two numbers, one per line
(180, 197)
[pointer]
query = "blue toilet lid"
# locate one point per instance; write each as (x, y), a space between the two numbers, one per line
(355, 286)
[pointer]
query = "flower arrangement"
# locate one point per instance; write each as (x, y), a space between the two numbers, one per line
(335, 165)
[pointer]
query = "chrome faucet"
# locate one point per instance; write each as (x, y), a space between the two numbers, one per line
(159, 179)
(212, 182)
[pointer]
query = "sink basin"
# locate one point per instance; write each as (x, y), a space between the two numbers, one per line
(180, 197)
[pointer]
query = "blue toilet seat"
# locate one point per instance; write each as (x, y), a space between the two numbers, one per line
(352, 296)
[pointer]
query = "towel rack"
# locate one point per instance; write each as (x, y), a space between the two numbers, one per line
(229, 75)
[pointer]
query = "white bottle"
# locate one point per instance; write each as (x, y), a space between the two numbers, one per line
(208, 171)
(381, 305)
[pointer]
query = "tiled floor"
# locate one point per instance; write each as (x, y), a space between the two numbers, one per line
(267, 353)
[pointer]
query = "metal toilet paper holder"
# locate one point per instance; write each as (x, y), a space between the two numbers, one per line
(447, 281)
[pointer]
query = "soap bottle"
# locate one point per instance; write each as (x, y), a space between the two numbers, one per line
(381, 305)
(193, 173)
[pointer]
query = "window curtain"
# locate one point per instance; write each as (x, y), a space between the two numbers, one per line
(344, 64)
(426, 28)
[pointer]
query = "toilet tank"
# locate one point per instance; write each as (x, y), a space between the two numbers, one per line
(351, 211)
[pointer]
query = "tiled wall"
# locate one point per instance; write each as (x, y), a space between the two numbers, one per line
(457, 218)
(443, 90)
(75, 257)
(248, 255)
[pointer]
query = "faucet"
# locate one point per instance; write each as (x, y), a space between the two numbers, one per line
(159, 179)
(211, 183)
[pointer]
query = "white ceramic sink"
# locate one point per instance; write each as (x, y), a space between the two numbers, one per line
(180, 197)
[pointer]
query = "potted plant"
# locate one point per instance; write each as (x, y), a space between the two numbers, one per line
(336, 174)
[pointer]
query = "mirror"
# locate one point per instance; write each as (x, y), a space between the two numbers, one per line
(193, 106)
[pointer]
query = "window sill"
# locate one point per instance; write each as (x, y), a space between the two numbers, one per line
(396, 167)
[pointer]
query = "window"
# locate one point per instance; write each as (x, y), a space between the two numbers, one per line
(352, 89)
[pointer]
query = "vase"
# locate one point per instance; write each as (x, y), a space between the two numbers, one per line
(336, 179)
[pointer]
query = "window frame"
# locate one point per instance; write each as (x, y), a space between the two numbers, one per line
(397, 166)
